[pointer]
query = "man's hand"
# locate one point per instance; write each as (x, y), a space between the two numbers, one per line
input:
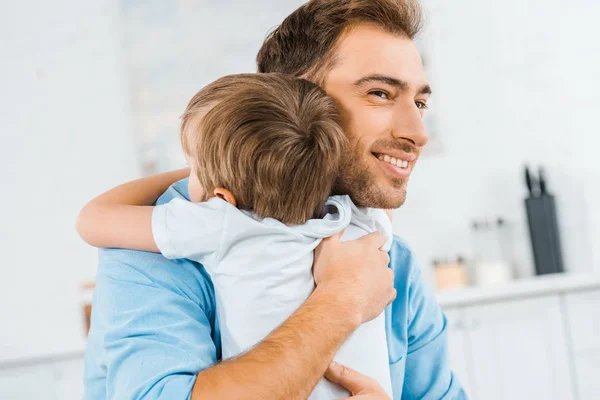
(356, 275)
(360, 386)
(354, 284)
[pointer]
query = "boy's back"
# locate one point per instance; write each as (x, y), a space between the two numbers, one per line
(261, 270)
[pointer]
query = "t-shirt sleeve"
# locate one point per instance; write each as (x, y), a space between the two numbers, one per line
(183, 229)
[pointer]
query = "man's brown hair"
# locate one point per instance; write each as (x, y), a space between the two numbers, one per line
(303, 45)
(274, 141)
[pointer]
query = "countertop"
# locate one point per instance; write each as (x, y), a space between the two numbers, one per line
(522, 288)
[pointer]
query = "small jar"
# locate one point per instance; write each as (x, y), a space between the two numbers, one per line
(450, 274)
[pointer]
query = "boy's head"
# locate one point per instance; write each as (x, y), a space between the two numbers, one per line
(273, 141)
(361, 52)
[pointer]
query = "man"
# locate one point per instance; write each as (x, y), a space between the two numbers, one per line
(154, 332)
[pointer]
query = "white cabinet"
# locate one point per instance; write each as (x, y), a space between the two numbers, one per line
(583, 310)
(23, 383)
(512, 350)
(68, 378)
(519, 350)
(459, 349)
(50, 380)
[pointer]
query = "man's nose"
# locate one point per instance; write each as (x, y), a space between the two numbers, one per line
(408, 125)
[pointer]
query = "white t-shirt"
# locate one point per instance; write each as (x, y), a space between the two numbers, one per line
(262, 272)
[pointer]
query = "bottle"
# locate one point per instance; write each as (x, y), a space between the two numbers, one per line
(493, 252)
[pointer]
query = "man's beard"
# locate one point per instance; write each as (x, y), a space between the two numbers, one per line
(357, 180)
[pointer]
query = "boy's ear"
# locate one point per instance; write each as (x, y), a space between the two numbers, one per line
(225, 195)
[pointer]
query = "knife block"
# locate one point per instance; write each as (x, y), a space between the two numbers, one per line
(545, 238)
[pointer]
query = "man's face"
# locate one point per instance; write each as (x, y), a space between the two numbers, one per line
(379, 84)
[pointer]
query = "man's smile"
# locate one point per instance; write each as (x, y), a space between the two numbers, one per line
(396, 162)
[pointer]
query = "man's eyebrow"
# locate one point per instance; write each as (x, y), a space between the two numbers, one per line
(388, 80)
(425, 89)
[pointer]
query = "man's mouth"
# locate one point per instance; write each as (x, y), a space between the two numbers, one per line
(398, 163)
(397, 158)
(393, 160)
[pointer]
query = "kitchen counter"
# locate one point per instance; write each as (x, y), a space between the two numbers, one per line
(529, 287)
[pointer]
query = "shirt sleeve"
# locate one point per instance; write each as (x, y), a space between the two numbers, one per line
(428, 373)
(153, 327)
(183, 229)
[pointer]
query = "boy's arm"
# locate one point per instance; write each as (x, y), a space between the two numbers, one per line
(122, 217)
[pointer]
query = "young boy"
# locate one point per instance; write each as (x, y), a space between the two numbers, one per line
(264, 151)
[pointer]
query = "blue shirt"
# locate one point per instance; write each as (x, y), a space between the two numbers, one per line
(154, 327)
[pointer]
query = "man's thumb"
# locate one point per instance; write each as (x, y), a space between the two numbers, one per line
(346, 377)
(338, 236)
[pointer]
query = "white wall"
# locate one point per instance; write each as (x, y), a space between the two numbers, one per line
(514, 82)
(65, 135)
(175, 48)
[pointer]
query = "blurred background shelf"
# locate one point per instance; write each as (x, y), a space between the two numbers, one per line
(518, 289)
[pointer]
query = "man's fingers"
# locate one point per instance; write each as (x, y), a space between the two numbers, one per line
(394, 294)
(377, 238)
(337, 237)
(329, 239)
(351, 380)
(386, 257)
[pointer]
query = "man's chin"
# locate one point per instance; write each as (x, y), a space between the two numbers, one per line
(389, 195)
(393, 201)
(368, 190)
(380, 198)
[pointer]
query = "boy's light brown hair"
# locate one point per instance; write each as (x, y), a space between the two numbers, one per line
(274, 141)
(304, 44)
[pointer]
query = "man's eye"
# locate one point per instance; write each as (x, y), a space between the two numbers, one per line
(421, 105)
(379, 93)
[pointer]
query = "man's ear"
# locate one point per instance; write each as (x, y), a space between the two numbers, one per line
(226, 195)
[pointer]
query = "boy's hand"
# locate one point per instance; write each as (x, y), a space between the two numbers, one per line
(356, 275)
(359, 385)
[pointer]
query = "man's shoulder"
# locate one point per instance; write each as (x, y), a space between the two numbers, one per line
(400, 247)
(402, 259)
(138, 274)
(177, 190)
(120, 267)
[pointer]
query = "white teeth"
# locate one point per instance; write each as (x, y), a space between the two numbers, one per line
(394, 161)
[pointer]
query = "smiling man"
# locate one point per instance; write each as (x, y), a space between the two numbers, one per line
(154, 332)
(380, 87)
